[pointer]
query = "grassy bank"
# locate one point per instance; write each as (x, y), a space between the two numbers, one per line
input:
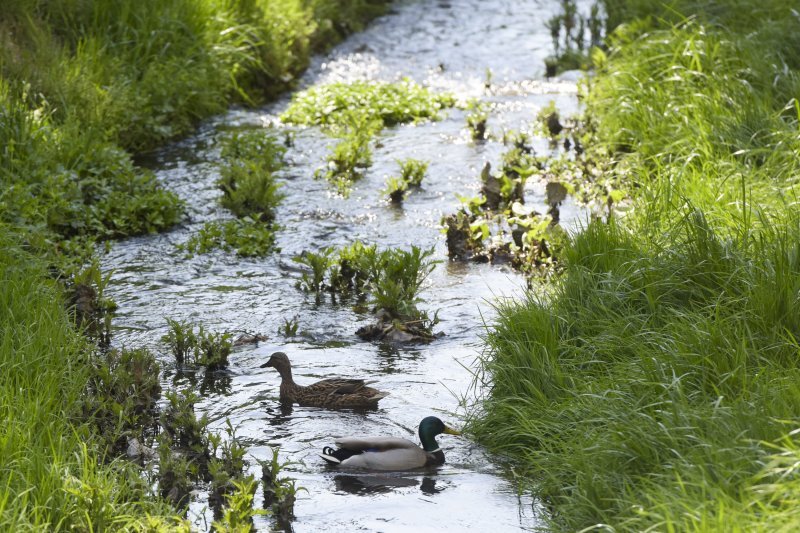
(656, 386)
(52, 478)
(83, 87)
(85, 84)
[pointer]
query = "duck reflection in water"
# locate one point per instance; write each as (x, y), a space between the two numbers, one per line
(367, 484)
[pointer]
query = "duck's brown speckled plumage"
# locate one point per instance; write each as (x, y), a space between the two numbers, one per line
(332, 392)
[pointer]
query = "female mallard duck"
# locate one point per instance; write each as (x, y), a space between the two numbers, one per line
(391, 453)
(333, 392)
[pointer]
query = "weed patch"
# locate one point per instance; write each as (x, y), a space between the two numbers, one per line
(356, 112)
(247, 237)
(392, 280)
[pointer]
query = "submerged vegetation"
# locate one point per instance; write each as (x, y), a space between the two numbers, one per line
(392, 279)
(412, 172)
(654, 388)
(250, 159)
(498, 227)
(354, 113)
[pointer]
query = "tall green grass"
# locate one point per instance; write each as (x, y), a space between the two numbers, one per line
(51, 477)
(656, 386)
(83, 86)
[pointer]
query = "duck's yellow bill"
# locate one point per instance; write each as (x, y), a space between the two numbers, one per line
(451, 431)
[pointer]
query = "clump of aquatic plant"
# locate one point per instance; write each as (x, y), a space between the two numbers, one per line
(477, 117)
(182, 427)
(289, 327)
(396, 290)
(412, 171)
(280, 492)
(226, 464)
(348, 161)
(391, 279)
(247, 180)
(318, 264)
(388, 104)
(121, 395)
(549, 119)
(497, 227)
(93, 310)
(203, 348)
(237, 515)
(248, 237)
(175, 474)
(249, 192)
(396, 189)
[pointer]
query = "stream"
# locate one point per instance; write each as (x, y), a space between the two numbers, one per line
(446, 45)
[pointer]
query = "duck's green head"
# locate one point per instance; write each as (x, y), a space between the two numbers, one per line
(429, 428)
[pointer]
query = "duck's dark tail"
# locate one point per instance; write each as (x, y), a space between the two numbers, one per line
(336, 456)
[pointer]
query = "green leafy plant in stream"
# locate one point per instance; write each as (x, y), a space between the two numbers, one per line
(176, 474)
(388, 104)
(289, 327)
(184, 432)
(250, 159)
(396, 289)
(412, 172)
(477, 117)
(121, 395)
(93, 310)
(497, 226)
(392, 280)
(226, 465)
(318, 263)
(248, 237)
(203, 348)
(348, 161)
(237, 516)
(280, 492)
(396, 189)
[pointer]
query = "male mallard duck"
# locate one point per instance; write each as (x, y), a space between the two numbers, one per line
(333, 392)
(391, 453)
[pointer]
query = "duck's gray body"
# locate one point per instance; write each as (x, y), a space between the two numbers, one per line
(390, 453)
(386, 453)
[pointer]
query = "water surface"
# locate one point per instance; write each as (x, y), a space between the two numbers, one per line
(443, 44)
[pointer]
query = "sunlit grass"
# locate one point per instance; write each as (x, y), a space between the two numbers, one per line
(51, 476)
(655, 386)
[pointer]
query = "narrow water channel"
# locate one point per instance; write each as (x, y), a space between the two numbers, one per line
(443, 44)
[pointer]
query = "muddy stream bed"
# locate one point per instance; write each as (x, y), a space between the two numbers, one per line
(446, 45)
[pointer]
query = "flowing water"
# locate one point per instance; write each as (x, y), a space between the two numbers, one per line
(443, 44)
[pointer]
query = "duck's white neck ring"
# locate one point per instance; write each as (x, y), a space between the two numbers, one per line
(436, 450)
